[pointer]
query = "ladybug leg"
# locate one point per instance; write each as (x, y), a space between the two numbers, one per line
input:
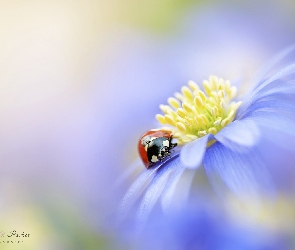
(163, 153)
(172, 145)
(168, 153)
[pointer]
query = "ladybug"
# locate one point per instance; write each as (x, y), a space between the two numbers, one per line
(155, 146)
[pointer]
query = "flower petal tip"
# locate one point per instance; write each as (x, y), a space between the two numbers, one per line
(192, 154)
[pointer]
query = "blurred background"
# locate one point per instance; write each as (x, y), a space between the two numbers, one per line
(80, 81)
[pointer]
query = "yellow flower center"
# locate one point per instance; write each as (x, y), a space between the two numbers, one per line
(195, 113)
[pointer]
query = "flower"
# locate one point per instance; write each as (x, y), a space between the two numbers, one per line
(222, 132)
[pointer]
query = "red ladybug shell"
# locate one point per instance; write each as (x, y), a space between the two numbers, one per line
(155, 139)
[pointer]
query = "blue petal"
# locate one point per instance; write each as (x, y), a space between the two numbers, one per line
(285, 87)
(243, 173)
(170, 187)
(244, 132)
(155, 189)
(192, 154)
(178, 196)
(135, 191)
(283, 107)
(282, 88)
(285, 72)
(131, 170)
(277, 121)
(275, 61)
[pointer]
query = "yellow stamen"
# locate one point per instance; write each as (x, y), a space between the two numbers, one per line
(180, 126)
(193, 85)
(202, 133)
(212, 130)
(198, 101)
(173, 102)
(214, 111)
(181, 112)
(194, 113)
(179, 96)
(170, 119)
(221, 93)
(207, 87)
(187, 107)
(165, 108)
(187, 92)
(218, 121)
(161, 119)
(224, 122)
